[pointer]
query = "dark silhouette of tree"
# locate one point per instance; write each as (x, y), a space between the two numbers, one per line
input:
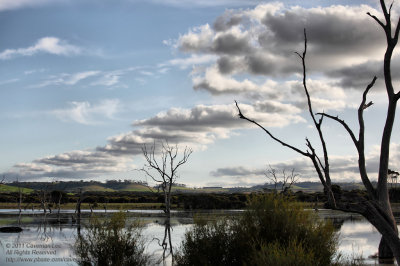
(163, 167)
(376, 208)
(285, 180)
(393, 175)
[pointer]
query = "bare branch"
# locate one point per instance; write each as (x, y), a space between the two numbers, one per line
(390, 8)
(317, 124)
(269, 133)
(397, 96)
(343, 123)
(271, 175)
(396, 32)
(361, 140)
(359, 144)
(377, 20)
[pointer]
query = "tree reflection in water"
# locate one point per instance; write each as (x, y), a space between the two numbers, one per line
(109, 241)
(166, 244)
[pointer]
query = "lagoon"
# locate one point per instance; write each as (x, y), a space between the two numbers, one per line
(49, 239)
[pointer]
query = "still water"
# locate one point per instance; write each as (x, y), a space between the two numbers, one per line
(49, 240)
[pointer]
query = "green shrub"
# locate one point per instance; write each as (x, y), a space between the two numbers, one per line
(273, 231)
(108, 242)
(294, 254)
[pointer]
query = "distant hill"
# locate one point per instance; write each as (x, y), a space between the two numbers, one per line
(137, 186)
(9, 188)
(97, 188)
(314, 186)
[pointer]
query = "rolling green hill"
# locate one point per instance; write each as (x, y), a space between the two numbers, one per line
(97, 188)
(135, 188)
(8, 188)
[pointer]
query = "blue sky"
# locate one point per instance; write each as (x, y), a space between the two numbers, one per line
(86, 83)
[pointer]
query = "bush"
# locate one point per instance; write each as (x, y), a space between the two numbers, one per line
(110, 243)
(278, 255)
(273, 231)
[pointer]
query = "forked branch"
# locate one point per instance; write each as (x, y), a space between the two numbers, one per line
(359, 143)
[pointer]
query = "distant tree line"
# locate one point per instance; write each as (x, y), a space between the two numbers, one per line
(186, 201)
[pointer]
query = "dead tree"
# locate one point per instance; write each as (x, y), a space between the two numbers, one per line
(376, 208)
(78, 205)
(163, 170)
(44, 201)
(287, 180)
(20, 195)
(162, 167)
(57, 198)
(393, 175)
(81, 197)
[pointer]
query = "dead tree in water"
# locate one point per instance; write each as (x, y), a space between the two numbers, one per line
(78, 209)
(376, 208)
(44, 201)
(163, 170)
(19, 200)
(287, 180)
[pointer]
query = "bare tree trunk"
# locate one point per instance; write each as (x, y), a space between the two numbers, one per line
(78, 209)
(19, 204)
(43, 201)
(59, 206)
(385, 253)
(382, 189)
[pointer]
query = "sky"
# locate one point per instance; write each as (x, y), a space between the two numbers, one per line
(85, 84)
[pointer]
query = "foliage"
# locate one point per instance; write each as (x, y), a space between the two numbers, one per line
(273, 230)
(108, 242)
(280, 255)
(57, 195)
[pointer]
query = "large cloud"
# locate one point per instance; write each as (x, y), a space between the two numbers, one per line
(262, 41)
(75, 164)
(200, 125)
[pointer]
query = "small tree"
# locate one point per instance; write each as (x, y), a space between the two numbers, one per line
(163, 170)
(44, 200)
(79, 201)
(287, 180)
(19, 200)
(376, 208)
(393, 175)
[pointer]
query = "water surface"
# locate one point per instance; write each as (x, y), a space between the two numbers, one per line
(49, 240)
